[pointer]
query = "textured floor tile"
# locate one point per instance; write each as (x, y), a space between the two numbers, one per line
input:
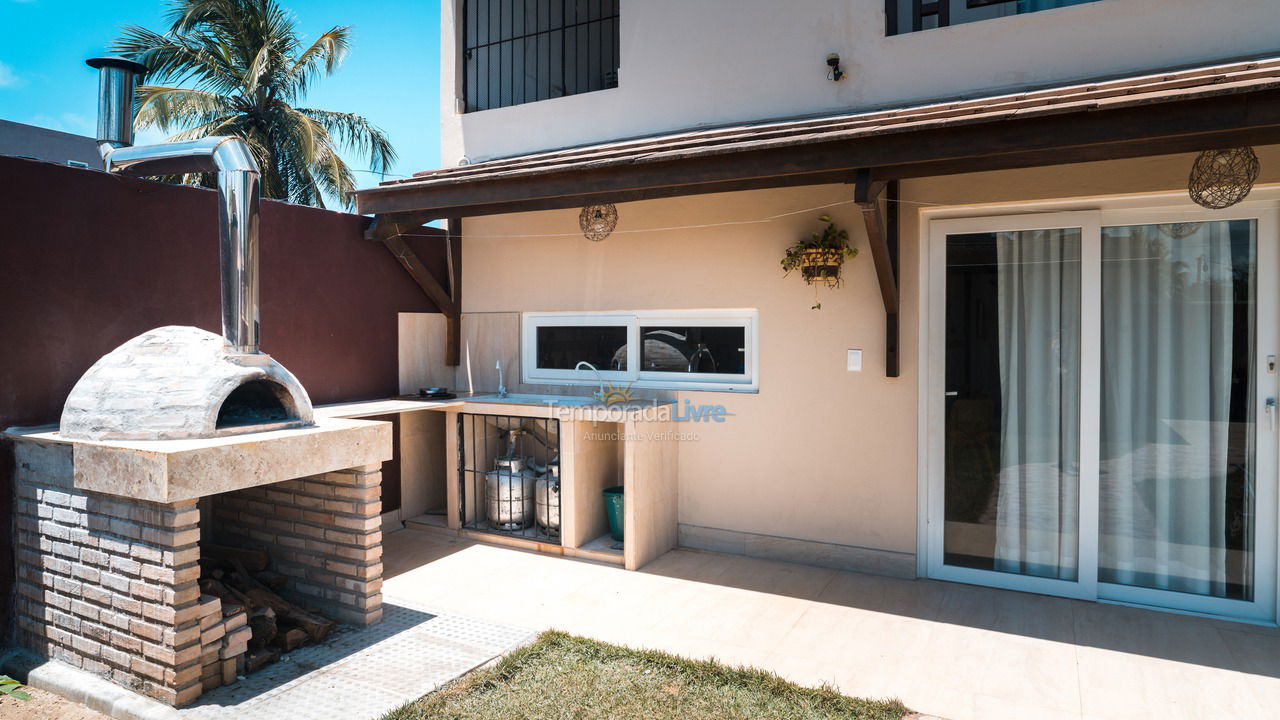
(361, 673)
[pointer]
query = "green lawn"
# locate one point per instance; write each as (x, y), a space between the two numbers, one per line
(561, 676)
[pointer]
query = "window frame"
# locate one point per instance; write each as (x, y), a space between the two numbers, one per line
(941, 9)
(511, 45)
(634, 376)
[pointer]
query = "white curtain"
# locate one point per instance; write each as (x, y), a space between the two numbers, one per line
(1167, 339)
(1039, 333)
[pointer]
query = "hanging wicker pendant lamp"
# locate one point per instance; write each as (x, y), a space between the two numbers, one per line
(1222, 178)
(598, 221)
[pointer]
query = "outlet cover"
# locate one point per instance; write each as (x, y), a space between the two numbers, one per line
(855, 361)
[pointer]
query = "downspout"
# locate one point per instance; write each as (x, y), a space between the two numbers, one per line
(239, 190)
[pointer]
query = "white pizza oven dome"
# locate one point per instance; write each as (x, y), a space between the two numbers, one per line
(179, 382)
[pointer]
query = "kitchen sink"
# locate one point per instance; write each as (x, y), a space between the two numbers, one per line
(536, 400)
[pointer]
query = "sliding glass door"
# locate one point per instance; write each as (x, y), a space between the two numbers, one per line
(1101, 409)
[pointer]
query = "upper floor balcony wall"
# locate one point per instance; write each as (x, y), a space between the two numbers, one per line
(685, 64)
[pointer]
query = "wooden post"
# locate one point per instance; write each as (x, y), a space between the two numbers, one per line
(453, 322)
(892, 332)
(867, 195)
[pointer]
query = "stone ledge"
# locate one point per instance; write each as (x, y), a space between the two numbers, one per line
(168, 471)
(85, 688)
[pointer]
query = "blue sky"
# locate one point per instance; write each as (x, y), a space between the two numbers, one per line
(391, 75)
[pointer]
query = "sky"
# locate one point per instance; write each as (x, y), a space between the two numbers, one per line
(391, 75)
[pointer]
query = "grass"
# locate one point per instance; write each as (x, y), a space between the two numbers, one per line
(562, 676)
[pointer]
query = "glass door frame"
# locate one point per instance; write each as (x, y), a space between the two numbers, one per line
(936, 227)
(1085, 584)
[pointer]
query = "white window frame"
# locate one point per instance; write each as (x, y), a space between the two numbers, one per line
(748, 319)
(1093, 215)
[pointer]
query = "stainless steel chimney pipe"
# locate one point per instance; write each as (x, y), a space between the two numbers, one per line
(116, 76)
(239, 191)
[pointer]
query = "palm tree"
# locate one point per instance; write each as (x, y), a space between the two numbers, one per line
(246, 70)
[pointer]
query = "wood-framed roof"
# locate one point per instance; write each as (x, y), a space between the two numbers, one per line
(1177, 111)
(1224, 105)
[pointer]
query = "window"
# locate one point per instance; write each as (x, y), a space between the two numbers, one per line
(520, 51)
(904, 16)
(687, 349)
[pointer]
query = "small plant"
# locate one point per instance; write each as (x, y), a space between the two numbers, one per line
(820, 257)
(12, 688)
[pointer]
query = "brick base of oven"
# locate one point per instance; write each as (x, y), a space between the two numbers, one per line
(110, 584)
(323, 532)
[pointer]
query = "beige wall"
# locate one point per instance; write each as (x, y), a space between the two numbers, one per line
(819, 453)
(711, 62)
(806, 456)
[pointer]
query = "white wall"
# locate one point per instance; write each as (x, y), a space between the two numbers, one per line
(711, 62)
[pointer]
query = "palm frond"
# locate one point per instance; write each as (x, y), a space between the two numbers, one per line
(237, 67)
(169, 107)
(327, 53)
(177, 60)
(358, 134)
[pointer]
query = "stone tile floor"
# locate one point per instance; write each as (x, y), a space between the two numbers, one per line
(951, 650)
(360, 674)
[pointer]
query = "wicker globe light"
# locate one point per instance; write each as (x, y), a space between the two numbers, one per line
(598, 221)
(1222, 178)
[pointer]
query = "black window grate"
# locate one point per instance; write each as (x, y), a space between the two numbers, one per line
(520, 51)
(906, 16)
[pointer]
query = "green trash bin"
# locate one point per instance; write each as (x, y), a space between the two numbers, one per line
(613, 508)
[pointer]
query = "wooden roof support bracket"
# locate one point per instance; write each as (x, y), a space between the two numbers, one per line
(882, 237)
(392, 236)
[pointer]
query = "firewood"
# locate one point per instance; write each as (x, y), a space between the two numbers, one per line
(223, 590)
(291, 639)
(257, 658)
(262, 621)
(271, 579)
(317, 626)
(252, 560)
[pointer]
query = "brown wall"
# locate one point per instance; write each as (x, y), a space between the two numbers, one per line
(88, 261)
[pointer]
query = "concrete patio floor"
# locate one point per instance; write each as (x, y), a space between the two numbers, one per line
(951, 650)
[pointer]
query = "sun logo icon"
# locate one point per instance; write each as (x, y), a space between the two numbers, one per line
(611, 394)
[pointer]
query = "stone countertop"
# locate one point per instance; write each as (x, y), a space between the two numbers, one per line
(652, 410)
(385, 406)
(167, 471)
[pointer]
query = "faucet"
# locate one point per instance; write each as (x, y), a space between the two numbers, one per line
(598, 394)
(502, 387)
(702, 350)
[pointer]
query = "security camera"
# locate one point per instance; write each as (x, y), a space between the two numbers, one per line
(833, 62)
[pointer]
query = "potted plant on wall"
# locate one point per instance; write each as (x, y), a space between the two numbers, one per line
(820, 257)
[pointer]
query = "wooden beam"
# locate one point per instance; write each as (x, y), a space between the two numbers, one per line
(866, 194)
(453, 322)
(396, 245)
(1080, 136)
(392, 233)
(385, 226)
(892, 332)
(841, 177)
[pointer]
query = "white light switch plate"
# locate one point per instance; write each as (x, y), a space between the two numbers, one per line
(855, 361)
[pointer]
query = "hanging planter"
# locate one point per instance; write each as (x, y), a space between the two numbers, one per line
(821, 267)
(820, 258)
